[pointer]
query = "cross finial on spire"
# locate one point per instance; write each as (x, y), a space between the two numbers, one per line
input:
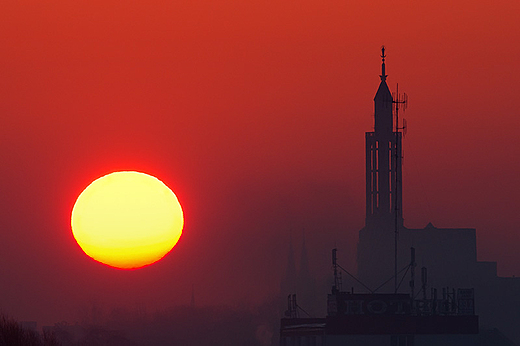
(383, 56)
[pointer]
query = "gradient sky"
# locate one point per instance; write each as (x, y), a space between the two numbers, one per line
(254, 113)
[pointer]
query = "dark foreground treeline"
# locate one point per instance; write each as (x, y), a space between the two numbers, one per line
(183, 325)
(13, 334)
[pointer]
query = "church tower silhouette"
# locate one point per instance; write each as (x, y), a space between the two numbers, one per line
(383, 192)
(449, 254)
(383, 169)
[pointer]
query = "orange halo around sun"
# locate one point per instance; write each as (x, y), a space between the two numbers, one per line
(127, 220)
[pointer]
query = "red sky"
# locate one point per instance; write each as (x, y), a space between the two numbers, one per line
(254, 113)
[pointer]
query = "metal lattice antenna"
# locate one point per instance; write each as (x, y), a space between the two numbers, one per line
(398, 100)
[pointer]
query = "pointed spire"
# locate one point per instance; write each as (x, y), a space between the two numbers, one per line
(306, 289)
(291, 265)
(383, 72)
(192, 303)
(304, 260)
(288, 283)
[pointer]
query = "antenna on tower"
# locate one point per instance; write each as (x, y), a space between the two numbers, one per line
(398, 100)
(337, 278)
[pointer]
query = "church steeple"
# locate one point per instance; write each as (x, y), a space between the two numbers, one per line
(383, 119)
(377, 254)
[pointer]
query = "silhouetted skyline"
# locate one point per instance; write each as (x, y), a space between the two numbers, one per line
(456, 300)
(254, 115)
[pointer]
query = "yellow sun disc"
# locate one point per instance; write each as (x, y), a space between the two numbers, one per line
(127, 220)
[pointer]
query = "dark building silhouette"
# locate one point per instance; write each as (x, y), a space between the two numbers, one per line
(444, 304)
(449, 254)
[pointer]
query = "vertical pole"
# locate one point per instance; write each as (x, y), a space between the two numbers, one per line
(412, 277)
(334, 264)
(424, 281)
(396, 185)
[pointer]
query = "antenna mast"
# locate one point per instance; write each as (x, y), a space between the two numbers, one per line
(337, 276)
(397, 100)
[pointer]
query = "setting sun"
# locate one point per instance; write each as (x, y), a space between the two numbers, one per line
(127, 220)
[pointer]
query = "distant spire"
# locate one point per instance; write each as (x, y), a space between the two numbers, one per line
(291, 266)
(288, 283)
(192, 303)
(304, 260)
(383, 56)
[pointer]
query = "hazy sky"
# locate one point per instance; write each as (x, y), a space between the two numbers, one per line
(254, 113)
